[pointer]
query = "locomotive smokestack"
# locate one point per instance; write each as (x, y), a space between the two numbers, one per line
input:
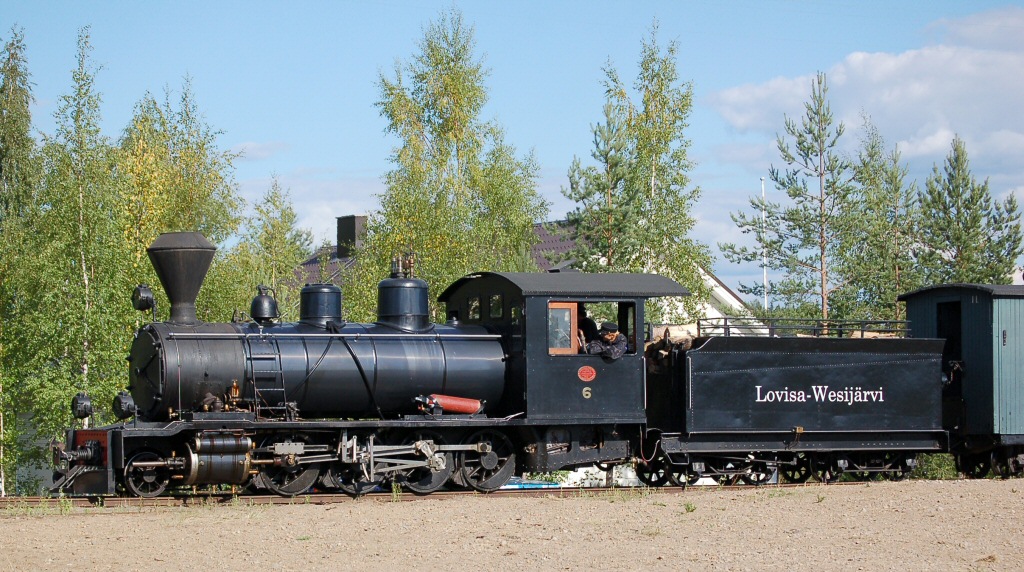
(181, 260)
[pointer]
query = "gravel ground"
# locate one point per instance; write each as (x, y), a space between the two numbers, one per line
(916, 525)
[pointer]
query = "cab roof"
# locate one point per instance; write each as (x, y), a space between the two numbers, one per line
(576, 284)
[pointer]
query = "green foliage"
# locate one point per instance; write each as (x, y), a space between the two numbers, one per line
(19, 168)
(634, 207)
(457, 196)
(19, 173)
(966, 236)
(807, 238)
(887, 215)
(71, 284)
(939, 466)
(270, 251)
(557, 477)
(86, 210)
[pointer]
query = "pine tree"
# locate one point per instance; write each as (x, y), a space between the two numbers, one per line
(886, 214)
(604, 212)
(966, 236)
(807, 238)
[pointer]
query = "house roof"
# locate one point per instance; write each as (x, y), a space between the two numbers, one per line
(579, 284)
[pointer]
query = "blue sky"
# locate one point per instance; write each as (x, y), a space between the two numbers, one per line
(293, 85)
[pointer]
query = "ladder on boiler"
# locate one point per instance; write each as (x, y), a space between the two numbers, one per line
(269, 396)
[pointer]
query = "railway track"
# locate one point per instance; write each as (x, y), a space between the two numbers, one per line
(45, 505)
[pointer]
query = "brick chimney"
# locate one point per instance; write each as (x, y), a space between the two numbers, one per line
(351, 229)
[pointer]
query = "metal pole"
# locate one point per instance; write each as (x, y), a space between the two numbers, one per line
(764, 255)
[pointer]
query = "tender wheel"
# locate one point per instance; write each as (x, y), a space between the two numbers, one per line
(898, 469)
(146, 481)
(654, 473)
(424, 480)
(605, 466)
(798, 473)
(828, 475)
(973, 466)
(758, 475)
(680, 478)
(488, 471)
(1000, 465)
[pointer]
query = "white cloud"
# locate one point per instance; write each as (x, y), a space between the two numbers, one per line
(970, 85)
(998, 29)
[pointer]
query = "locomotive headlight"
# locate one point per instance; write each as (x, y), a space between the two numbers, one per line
(142, 298)
(81, 406)
(124, 405)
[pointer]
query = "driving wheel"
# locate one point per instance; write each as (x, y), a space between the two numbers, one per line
(440, 465)
(289, 476)
(492, 465)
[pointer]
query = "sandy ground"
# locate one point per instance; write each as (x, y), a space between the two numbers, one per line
(918, 525)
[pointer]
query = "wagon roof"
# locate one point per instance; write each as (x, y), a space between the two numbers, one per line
(994, 290)
(578, 284)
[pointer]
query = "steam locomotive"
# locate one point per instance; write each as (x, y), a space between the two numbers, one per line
(500, 389)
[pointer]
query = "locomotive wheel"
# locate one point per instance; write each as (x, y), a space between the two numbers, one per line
(146, 482)
(798, 473)
(424, 480)
(346, 478)
(488, 471)
(654, 473)
(288, 479)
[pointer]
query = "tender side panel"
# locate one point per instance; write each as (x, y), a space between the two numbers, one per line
(813, 385)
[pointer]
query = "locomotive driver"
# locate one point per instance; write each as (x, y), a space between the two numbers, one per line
(609, 342)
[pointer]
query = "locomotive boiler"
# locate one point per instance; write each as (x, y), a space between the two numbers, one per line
(319, 367)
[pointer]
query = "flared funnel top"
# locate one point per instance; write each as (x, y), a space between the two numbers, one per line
(181, 260)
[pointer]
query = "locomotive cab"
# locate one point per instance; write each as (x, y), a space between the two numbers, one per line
(550, 377)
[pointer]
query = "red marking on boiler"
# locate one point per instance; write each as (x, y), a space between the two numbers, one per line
(586, 373)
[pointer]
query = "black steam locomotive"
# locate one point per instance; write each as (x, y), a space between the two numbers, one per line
(500, 389)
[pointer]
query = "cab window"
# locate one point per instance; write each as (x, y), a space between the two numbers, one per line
(566, 323)
(562, 337)
(494, 307)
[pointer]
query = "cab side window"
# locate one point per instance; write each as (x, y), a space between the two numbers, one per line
(562, 338)
(495, 308)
